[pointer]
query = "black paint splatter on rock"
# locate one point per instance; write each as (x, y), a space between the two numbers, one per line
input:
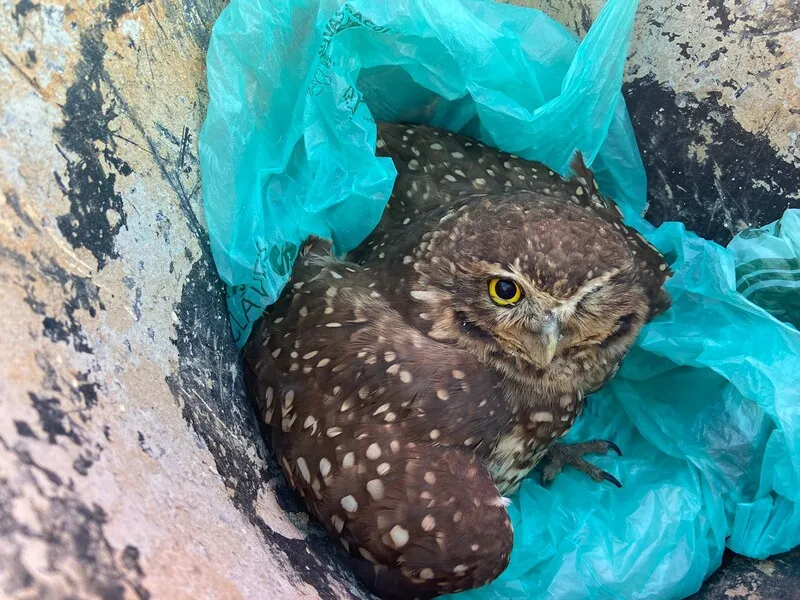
(716, 195)
(96, 212)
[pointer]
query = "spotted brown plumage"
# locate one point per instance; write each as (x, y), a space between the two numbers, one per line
(412, 386)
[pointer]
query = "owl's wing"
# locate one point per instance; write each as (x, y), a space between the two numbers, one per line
(373, 423)
(434, 524)
(337, 336)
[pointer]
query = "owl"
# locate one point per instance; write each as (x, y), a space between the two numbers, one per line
(409, 388)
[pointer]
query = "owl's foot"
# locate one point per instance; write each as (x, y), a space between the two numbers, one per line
(560, 455)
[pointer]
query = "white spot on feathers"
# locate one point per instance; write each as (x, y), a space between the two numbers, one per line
(310, 423)
(349, 460)
(373, 451)
(399, 536)
(301, 464)
(338, 523)
(349, 504)
(542, 417)
(324, 467)
(375, 489)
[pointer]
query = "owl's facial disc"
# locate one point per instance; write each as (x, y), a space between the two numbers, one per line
(533, 337)
(519, 323)
(540, 341)
(542, 291)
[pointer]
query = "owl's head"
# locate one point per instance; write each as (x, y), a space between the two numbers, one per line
(544, 292)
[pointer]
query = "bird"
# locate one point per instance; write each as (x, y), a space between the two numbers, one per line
(409, 386)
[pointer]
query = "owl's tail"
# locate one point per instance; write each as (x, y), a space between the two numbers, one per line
(315, 246)
(316, 251)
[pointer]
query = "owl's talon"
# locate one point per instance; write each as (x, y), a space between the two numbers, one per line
(572, 455)
(611, 478)
(614, 447)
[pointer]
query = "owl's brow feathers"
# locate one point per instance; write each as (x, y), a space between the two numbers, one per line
(565, 306)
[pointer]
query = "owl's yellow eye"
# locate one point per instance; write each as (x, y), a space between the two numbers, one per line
(504, 292)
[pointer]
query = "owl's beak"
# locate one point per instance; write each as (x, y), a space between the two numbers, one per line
(550, 336)
(541, 347)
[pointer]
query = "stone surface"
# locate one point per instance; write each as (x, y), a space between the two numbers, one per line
(131, 464)
(743, 579)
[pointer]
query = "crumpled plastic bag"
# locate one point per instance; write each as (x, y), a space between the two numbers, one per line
(707, 405)
(768, 266)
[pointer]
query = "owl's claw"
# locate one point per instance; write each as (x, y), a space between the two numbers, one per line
(572, 455)
(614, 447)
(611, 478)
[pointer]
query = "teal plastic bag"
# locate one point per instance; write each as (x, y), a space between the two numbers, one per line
(768, 266)
(710, 426)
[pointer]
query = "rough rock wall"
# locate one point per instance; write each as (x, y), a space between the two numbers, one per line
(130, 461)
(131, 464)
